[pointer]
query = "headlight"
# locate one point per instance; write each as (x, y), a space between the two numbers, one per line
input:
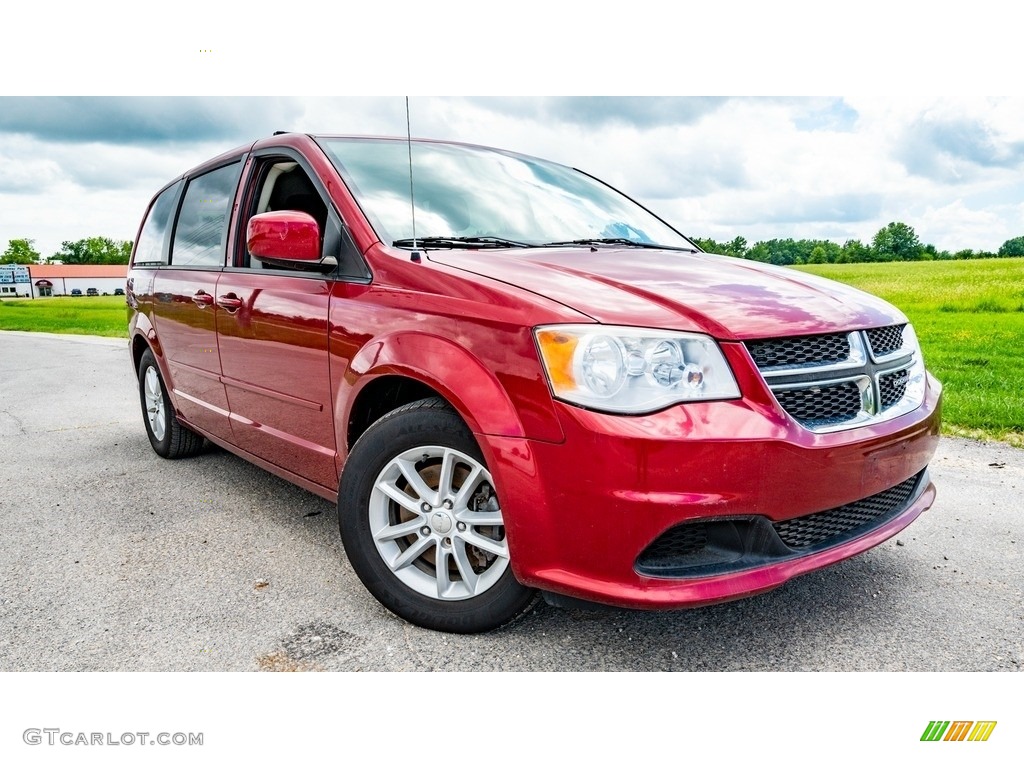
(916, 376)
(632, 370)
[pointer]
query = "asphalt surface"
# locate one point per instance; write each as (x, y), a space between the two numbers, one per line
(114, 559)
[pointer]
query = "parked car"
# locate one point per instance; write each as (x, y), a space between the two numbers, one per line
(76, 291)
(533, 383)
(91, 292)
(119, 291)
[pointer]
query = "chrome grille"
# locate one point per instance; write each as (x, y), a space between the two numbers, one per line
(892, 387)
(837, 381)
(822, 405)
(800, 350)
(885, 341)
(813, 529)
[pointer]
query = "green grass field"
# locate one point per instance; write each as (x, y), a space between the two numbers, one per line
(969, 316)
(93, 315)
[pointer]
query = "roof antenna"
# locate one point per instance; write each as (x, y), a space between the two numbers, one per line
(415, 255)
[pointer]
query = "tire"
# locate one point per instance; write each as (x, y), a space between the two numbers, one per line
(415, 494)
(166, 434)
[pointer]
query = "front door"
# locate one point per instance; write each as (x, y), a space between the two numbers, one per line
(272, 328)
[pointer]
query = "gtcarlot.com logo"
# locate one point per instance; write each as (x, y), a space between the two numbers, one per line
(56, 736)
(958, 730)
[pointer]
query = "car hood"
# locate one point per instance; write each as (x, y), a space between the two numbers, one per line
(729, 298)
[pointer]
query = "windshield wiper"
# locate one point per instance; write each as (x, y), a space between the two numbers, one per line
(461, 242)
(619, 241)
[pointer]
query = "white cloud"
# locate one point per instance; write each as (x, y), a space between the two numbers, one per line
(958, 226)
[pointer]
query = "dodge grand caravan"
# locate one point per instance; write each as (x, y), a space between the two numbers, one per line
(512, 378)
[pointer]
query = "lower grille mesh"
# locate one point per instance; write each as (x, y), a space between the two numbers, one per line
(813, 529)
(729, 544)
(677, 542)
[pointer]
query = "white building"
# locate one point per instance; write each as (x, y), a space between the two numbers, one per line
(14, 281)
(62, 279)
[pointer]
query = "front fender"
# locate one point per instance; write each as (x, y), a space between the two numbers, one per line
(464, 381)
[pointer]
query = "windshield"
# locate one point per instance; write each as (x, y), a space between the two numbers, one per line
(471, 192)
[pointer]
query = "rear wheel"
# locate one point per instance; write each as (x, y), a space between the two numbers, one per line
(422, 523)
(168, 437)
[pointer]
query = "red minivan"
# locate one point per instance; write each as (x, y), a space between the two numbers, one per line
(513, 378)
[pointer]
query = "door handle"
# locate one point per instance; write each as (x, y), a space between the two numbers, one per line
(202, 299)
(229, 302)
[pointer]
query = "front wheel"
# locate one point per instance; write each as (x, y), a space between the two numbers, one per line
(422, 524)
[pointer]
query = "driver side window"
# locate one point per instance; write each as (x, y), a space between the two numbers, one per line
(284, 186)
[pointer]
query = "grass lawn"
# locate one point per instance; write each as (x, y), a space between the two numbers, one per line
(969, 316)
(93, 315)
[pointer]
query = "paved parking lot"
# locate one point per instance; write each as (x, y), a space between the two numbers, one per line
(115, 559)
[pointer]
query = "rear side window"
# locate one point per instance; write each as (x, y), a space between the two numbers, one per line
(201, 232)
(151, 249)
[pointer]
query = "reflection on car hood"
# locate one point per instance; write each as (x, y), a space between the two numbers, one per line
(726, 297)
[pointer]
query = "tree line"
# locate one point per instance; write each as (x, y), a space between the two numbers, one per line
(895, 241)
(89, 250)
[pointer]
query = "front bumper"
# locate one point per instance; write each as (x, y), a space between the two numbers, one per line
(579, 514)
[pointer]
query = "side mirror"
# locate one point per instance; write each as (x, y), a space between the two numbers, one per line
(283, 236)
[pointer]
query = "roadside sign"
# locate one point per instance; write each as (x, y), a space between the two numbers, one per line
(13, 273)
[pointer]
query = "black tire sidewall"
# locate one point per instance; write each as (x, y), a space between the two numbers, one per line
(427, 422)
(162, 447)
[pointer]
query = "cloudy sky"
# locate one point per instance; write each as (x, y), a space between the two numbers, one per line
(760, 167)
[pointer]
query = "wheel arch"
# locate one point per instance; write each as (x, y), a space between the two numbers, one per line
(143, 337)
(379, 397)
(394, 371)
(138, 348)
